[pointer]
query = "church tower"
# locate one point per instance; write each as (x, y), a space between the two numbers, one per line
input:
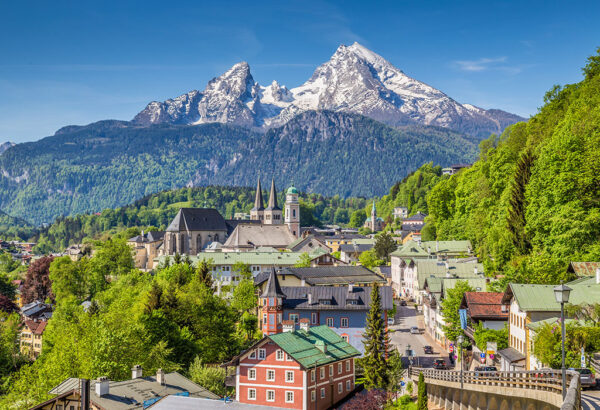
(373, 218)
(292, 211)
(272, 306)
(257, 213)
(273, 212)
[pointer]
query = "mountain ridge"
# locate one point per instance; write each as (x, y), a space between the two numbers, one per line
(354, 80)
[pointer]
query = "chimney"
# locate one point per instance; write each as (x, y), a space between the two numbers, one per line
(350, 287)
(136, 371)
(475, 270)
(447, 265)
(85, 394)
(437, 246)
(598, 276)
(288, 325)
(102, 387)
(160, 377)
(321, 346)
(304, 324)
(303, 283)
(309, 296)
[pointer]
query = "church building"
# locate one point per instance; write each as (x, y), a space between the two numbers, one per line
(374, 223)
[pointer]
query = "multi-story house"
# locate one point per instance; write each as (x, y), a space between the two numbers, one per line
(530, 304)
(344, 309)
(31, 336)
(308, 368)
(145, 247)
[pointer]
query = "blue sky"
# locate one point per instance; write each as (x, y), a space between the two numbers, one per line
(77, 62)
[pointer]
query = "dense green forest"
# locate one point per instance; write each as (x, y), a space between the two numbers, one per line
(531, 203)
(113, 163)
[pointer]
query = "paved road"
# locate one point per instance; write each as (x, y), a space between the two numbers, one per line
(590, 399)
(401, 337)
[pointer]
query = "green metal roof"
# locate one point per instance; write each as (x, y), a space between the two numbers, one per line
(292, 190)
(363, 241)
(410, 249)
(428, 268)
(477, 283)
(250, 258)
(541, 297)
(301, 345)
(535, 326)
(447, 246)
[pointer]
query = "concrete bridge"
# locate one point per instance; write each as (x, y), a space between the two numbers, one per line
(525, 390)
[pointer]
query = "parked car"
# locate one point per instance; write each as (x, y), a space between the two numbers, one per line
(428, 349)
(586, 377)
(440, 364)
(390, 321)
(415, 330)
(486, 371)
(403, 303)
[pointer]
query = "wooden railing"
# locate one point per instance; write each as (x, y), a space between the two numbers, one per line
(544, 380)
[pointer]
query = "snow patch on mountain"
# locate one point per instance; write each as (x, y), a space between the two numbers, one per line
(355, 80)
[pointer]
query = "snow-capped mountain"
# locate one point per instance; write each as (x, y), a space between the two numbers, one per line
(354, 80)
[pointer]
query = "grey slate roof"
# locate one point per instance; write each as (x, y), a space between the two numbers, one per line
(511, 354)
(151, 236)
(355, 248)
(328, 275)
(247, 235)
(131, 394)
(419, 216)
(273, 290)
(197, 219)
(337, 297)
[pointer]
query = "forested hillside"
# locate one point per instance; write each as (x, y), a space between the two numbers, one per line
(531, 203)
(113, 163)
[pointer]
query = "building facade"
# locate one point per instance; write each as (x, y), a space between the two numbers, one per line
(307, 368)
(192, 230)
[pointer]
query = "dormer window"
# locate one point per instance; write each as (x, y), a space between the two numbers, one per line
(325, 301)
(353, 302)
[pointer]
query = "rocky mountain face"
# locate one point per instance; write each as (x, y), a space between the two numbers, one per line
(355, 80)
(5, 145)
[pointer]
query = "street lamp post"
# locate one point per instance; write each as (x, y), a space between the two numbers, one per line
(561, 293)
(460, 341)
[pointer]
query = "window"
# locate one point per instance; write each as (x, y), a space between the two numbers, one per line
(289, 396)
(322, 373)
(347, 385)
(313, 395)
(270, 375)
(294, 317)
(288, 358)
(312, 376)
(340, 368)
(322, 393)
(289, 376)
(262, 353)
(252, 355)
(264, 318)
(252, 374)
(347, 365)
(340, 387)
(344, 322)
(251, 394)
(330, 370)
(330, 321)
(279, 318)
(345, 337)
(279, 355)
(270, 395)
(313, 318)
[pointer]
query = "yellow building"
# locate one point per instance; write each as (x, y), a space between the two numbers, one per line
(31, 338)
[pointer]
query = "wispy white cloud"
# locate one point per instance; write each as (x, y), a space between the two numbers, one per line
(481, 64)
(488, 64)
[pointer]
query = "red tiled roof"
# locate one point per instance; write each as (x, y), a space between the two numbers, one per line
(485, 305)
(37, 328)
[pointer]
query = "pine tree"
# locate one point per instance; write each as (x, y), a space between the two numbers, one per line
(204, 274)
(516, 212)
(376, 341)
(384, 245)
(422, 393)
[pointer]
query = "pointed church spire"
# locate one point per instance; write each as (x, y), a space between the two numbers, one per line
(273, 197)
(258, 200)
(273, 290)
